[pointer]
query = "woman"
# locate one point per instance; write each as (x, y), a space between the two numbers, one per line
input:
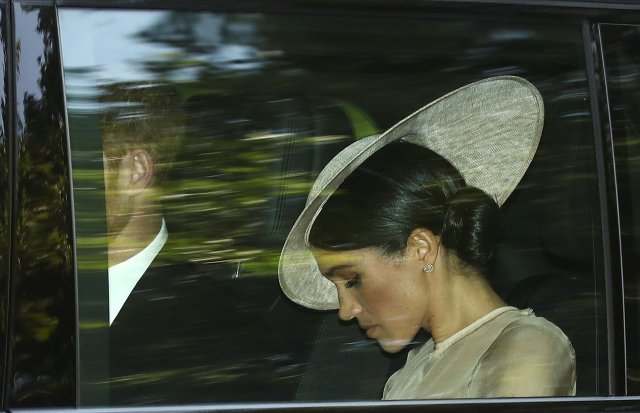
(399, 232)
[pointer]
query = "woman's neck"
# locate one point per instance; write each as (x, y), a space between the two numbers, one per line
(466, 298)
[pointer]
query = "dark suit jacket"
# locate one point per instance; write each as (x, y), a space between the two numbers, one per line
(190, 334)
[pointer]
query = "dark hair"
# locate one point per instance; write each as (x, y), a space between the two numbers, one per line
(401, 187)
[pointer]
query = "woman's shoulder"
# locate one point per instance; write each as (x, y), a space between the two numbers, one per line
(530, 356)
(528, 339)
(526, 326)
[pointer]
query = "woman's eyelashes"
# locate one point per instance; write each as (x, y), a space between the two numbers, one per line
(353, 282)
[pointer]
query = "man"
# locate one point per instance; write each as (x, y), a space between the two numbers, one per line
(179, 332)
(142, 131)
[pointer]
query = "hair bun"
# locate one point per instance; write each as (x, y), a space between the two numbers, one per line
(471, 227)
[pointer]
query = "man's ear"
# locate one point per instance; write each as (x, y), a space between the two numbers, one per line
(140, 170)
(423, 244)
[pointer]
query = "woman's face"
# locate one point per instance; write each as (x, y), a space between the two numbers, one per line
(388, 296)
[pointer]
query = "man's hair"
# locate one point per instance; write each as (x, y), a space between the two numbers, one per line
(142, 115)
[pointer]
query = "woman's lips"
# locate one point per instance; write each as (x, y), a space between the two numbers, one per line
(370, 330)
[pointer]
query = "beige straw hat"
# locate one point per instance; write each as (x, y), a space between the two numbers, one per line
(489, 130)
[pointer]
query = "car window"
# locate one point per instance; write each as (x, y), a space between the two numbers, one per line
(217, 125)
(5, 187)
(620, 52)
(41, 366)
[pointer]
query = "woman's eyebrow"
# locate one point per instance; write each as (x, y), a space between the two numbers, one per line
(331, 271)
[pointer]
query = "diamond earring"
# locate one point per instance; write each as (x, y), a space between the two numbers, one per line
(428, 268)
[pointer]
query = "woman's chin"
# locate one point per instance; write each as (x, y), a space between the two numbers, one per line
(393, 345)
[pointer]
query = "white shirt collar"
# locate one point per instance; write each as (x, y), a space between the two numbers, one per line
(123, 277)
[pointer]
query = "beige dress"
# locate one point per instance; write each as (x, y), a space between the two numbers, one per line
(506, 353)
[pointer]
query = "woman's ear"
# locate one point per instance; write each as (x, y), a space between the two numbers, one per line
(424, 245)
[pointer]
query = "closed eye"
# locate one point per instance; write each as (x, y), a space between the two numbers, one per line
(353, 282)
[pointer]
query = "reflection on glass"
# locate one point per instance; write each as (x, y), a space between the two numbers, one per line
(43, 330)
(4, 195)
(204, 132)
(623, 82)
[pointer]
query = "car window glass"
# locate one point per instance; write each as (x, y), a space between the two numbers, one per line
(622, 78)
(209, 129)
(5, 186)
(42, 363)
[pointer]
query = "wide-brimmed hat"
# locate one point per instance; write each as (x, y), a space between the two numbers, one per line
(489, 130)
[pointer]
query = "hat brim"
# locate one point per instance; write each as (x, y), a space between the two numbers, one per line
(489, 130)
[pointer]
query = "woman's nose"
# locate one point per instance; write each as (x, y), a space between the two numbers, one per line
(349, 307)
